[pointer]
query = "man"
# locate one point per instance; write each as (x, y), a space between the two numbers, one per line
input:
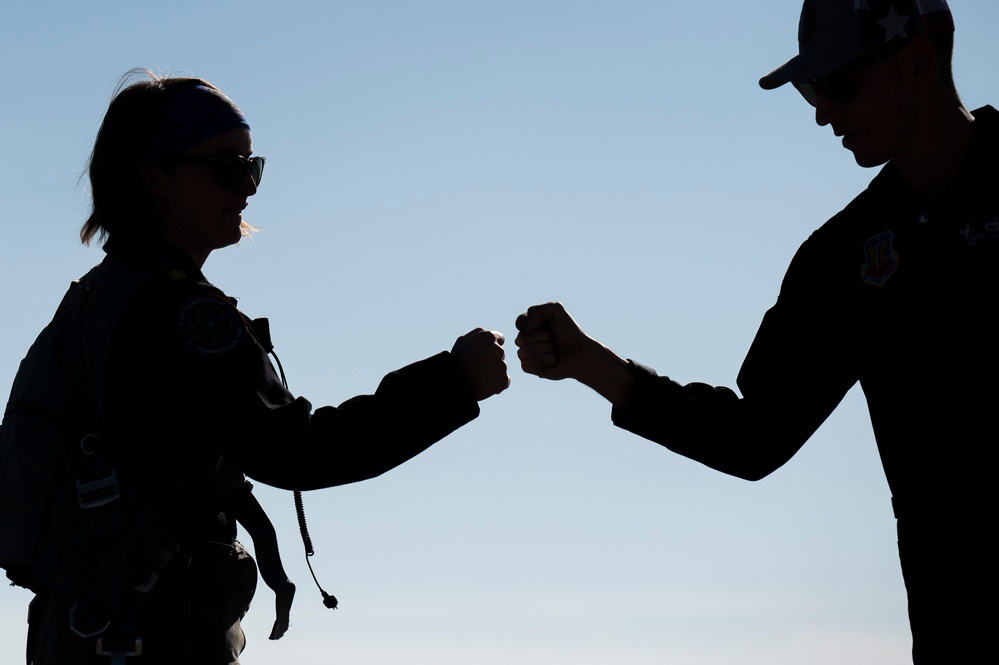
(896, 292)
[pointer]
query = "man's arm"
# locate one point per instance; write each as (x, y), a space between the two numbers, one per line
(748, 437)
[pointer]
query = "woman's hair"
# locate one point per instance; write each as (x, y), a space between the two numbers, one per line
(121, 204)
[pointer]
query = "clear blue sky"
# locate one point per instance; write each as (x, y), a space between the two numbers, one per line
(439, 165)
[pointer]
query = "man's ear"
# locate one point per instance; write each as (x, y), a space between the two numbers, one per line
(152, 179)
(919, 59)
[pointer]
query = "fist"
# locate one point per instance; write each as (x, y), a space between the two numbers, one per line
(550, 342)
(481, 357)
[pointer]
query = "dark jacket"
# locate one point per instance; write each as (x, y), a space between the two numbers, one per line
(188, 378)
(898, 292)
(190, 401)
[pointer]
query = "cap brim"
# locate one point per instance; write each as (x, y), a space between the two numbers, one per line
(808, 67)
(773, 80)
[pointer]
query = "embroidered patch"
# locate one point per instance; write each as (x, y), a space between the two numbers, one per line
(880, 259)
(977, 232)
(210, 325)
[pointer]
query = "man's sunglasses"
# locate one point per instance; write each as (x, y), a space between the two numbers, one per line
(841, 85)
(228, 169)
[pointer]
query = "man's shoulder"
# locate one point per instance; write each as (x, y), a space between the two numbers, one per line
(987, 114)
(855, 220)
(832, 254)
(870, 208)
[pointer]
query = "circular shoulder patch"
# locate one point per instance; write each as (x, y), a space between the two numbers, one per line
(210, 325)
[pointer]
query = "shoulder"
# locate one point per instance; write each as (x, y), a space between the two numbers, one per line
(981, 160)
(209, 323)
(177, 306)
(988, 115)
(832, 256)
(882, 196)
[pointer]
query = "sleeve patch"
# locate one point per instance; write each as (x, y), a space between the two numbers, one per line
(210, 325)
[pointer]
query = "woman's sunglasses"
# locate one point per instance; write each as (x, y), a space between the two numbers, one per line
(841, 85)
(228, 169)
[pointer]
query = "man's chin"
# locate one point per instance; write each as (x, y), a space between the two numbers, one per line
(868, 161)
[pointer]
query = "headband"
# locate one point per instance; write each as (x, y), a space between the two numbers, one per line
(193, 114)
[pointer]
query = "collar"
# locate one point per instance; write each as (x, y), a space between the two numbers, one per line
(152, 247)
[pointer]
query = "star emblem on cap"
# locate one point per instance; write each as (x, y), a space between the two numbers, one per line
(894, 24)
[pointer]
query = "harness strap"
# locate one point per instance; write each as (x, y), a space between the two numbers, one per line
(248, 512)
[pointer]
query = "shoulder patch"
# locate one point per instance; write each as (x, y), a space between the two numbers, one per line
(880, 259)
(210, 325)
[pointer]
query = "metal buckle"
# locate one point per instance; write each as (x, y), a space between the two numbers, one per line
(81, 631)
(119, 653)
(97, 493)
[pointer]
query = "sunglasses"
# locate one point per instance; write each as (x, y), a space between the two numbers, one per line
(841, 85)
(228, 169)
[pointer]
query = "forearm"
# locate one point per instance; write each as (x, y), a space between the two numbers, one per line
(605, 372)
(365, 436)
(746, 438)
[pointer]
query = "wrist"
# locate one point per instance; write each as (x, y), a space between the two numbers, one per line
(607, 373)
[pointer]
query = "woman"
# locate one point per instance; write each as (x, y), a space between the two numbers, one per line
(169, 398)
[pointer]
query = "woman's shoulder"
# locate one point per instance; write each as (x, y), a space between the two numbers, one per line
(177, 306)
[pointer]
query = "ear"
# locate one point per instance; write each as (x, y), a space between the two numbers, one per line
(919, 59)
(152, 179)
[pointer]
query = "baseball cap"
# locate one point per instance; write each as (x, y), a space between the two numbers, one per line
(833, 33)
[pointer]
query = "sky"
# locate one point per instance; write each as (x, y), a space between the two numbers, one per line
(434, 166)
